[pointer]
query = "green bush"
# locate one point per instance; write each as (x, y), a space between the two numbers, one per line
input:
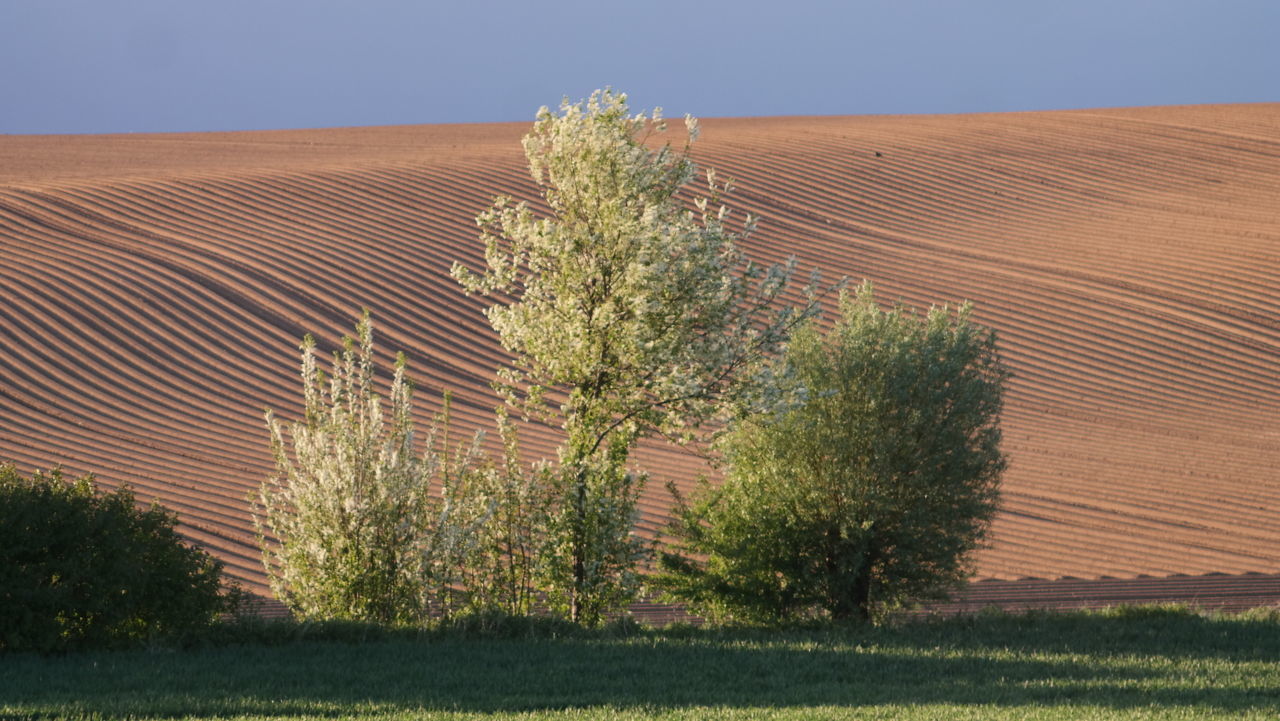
(499, 574)
(84, 570)
(869, 495)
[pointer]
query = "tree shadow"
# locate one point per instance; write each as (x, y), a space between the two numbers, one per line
(1162, 631)
(1108, 663)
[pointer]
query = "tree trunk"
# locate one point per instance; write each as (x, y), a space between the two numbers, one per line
(840, 600)
(861, 595)
(579, 543)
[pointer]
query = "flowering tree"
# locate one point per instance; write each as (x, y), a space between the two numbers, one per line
(633, 312)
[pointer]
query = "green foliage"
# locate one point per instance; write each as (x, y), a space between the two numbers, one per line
(500, 573)
(456, 531)
(592, 559)
(355, 533)
(628, 314)
(872, 493)
(81, 570)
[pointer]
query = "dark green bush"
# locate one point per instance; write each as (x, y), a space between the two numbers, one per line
(82, 570)
(869, 496)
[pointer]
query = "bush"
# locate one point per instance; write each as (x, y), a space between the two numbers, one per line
(500, 573)
(348, 526)
(869, 495)
(80, 570)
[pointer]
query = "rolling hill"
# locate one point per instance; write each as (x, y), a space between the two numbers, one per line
(156, 287)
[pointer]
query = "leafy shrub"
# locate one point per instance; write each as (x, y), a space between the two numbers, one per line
(869, 495)
(502, 571)
(80, 570)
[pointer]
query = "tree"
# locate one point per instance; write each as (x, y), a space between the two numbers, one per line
(359, 535)
(634, 313)
(80, 569)
(869, 495)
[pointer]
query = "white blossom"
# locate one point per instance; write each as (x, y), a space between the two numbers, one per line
(348, 525)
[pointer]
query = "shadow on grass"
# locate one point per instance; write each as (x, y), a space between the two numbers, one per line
(1116, 663)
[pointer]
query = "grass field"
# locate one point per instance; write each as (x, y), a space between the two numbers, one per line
(1131, 663)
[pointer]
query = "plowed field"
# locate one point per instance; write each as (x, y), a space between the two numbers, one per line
(155, 289)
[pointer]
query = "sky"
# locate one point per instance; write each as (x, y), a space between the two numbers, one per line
(91, 66)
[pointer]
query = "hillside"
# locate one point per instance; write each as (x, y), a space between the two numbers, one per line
(156, 288)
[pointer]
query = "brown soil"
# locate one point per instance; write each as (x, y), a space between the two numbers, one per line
(156, 288)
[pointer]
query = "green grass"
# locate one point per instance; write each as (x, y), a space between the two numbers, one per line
(1145, 663)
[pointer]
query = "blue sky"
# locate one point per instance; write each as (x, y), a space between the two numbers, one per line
(81, 66)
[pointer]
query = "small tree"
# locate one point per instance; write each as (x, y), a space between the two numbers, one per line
(636, 314)
(359, 534)
(872, 493)
(79, 569)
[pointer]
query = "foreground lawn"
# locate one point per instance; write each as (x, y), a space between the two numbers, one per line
(1128, 664)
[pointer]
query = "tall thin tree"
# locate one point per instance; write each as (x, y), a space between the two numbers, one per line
(627, 313)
